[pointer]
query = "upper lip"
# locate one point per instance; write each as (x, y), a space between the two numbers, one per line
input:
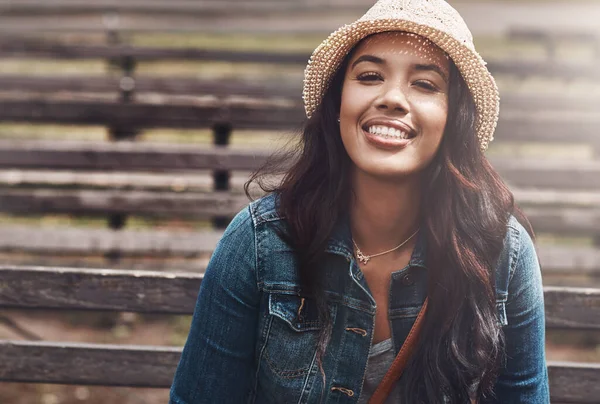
(392, 123)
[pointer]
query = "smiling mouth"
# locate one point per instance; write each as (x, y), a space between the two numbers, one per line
(388, 132)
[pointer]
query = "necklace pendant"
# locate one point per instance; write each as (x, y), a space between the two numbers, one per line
(364, 259)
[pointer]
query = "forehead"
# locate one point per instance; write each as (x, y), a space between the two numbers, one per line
(406, 44)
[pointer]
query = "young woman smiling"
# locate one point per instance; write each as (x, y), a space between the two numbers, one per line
(389, 213)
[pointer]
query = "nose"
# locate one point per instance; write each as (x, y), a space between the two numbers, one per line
(393, 98)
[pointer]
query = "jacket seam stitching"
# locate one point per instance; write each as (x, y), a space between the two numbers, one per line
(260, 356)
(518, 257)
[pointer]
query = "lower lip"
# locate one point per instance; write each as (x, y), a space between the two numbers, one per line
(387, 143)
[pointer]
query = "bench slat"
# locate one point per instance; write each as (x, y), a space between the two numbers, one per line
(563, 220)
(23, 47)
(261, 116)
(179, 181)
(203, 182)
(98, 289)
(175, 293)
(20, 47)
(151, 366)
(87, 364)
(283, 89)
(25, 239)
(574, 382)
(175, 7)
(97, 156)
(568, 307)
(245, 116)
(91, 241)
(103, 202)
(540, 173)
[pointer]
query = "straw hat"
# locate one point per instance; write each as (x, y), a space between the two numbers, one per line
(435, 20)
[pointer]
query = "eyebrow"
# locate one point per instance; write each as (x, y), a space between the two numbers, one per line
(368, 58)
(419, 67)
(432, 67)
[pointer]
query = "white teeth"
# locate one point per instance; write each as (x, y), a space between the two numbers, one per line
(387, 132)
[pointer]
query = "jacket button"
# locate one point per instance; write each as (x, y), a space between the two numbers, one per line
(408, 280)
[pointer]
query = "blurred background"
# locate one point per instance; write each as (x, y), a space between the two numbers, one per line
(127, 129)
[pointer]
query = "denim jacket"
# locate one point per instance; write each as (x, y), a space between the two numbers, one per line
(252, 338)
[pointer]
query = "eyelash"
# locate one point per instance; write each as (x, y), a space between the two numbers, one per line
(427, 85)
(369, 76)
(372, 76)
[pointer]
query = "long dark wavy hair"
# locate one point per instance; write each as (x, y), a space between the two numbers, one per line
(465, 208)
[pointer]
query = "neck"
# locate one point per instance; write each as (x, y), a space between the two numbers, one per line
(384, 213)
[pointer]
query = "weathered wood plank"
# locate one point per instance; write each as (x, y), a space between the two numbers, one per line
(258, 115)
(290, 88)
(148, 366)
(553, 258)
(552, 36)
(558, 259)
(174, 7)
(162, 85)
(177, 182)
(98, 289)
(103, 202)
(563, 220)
(24, 47)
(104, 241)
(146, 291)
(568, 307)
(203, 182)
(309, 23)
(574, 382)
(98, 156)
(557, 198)
(268, 89)
(88, 364)
(201, 115)
(549, 173)
(552, 173)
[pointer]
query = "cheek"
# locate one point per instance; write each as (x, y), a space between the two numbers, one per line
(348, 101)
(435, 115)
(355, 100)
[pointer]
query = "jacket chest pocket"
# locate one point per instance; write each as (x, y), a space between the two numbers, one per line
(293, 334)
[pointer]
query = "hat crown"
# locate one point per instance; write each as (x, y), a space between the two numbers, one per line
(436, 14)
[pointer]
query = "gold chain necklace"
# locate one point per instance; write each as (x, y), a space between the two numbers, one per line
(364, 259)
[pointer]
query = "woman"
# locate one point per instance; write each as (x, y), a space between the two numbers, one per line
(313, 289)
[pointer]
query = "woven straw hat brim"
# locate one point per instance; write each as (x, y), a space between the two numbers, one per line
(328, 56)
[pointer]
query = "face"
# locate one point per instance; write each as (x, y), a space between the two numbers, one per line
(394, 104)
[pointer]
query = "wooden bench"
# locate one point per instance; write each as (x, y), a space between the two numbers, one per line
(126, 177)
(169, 293)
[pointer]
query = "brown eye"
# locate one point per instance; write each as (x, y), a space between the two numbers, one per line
(369, 76)
(426, 85)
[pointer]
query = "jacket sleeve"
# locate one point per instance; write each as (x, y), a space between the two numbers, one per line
(216, 365)
(524, 376)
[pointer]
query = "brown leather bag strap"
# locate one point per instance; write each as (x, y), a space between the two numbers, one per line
(395, 371)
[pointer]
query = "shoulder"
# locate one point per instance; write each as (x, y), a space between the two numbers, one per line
(520, 246)
(265, 209)
(518, 258)
(257, 212)
(515, 239)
